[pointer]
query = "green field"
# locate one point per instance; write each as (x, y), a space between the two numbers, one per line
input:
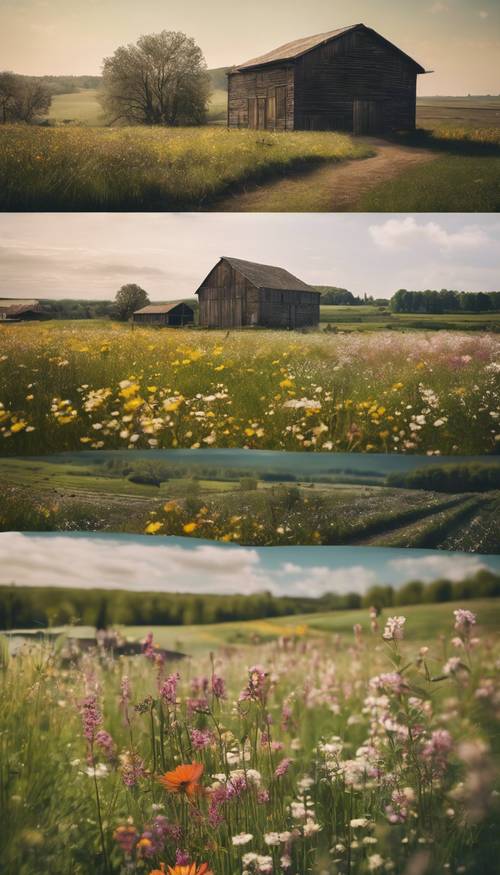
(82, 107)
(372, 318)
(425, 623)
(236, 507)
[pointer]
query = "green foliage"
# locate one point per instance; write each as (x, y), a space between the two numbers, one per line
(31, 607)
(453, 478)
(445, 301)
(130, 298)
(22, 98)
(161, 80)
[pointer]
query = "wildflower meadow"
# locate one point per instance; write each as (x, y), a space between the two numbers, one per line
(143, 168)
(68, 385)
(361, 753)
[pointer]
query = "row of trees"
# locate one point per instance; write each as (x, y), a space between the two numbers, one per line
(453, 478)
(23, 98)
(343, 297)
(40, 607)
(444, 301)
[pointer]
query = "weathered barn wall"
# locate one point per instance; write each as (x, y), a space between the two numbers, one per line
(355, 67)
(289, 309)
(262, 99)
(180, 315)
(227, 299)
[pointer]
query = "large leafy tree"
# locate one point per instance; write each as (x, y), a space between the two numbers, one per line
(161, 80)
(23, 98)
(128, 299)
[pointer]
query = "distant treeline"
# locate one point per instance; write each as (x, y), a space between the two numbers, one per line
(445, 301)
(156, 472)
(454, 478)
(343, 297)
(39, 607)
(68, 84)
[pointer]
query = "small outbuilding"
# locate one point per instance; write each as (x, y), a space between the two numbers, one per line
(17, 310)
(173, 314)
(238, 294)
(349, 79)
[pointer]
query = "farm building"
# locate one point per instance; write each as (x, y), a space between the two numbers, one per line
(173, 314)
(351, 79)
(17, 310)
(240, 293)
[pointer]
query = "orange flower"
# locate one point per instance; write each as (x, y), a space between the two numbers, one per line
(184, 779)
(192, 869)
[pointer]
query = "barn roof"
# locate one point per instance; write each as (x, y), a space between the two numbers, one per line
(16, 306)
(266, 276)
(295, 49)
(161, 308)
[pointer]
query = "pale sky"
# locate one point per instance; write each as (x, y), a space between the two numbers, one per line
(90, 256)
(136, 562)
(458, 39)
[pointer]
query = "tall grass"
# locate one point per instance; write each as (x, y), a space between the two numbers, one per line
(331, 755)
(68, 386)
(147, 168)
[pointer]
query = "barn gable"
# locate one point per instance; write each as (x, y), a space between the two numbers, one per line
(350, 79)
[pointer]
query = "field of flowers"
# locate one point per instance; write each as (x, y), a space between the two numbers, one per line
(68, 386)
(333, 755)
(148, 168)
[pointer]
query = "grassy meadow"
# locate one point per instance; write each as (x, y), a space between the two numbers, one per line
(465, 174)
(133, 496)
(313, 749)
(69, 386)
(86, 168)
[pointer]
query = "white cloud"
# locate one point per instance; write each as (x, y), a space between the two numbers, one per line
(318, 579)
(134, 565)
(432, 567)
(405, 233)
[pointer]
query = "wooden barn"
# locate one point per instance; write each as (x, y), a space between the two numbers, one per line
(238, 294)
(17, 310)
(350, 79)
(173, 314)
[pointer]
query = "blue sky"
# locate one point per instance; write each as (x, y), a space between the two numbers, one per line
(458, 39)
(186, 565)
(169, 254)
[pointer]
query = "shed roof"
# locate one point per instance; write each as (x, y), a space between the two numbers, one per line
(16, 306)
(161, 308)
(266, 276)
(297, 48)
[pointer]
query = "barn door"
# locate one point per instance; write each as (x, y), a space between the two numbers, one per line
(271, 112)
(367, 117)
(252, 112)
(281, 106)
(261, 113)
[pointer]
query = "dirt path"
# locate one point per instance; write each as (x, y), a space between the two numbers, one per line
(332, 187)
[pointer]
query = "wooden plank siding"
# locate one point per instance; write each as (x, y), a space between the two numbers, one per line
(357, 67)
(272, 88)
